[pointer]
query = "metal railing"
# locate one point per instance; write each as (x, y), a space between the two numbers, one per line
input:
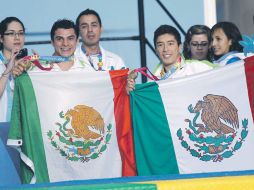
(141, 37)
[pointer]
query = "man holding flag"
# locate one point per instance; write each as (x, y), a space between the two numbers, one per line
(61, 129)
(64, 38)
(193, 124)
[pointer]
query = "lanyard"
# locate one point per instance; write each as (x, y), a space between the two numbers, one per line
(142, 71)
(99, 56)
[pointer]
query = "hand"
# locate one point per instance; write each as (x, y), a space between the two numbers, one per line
(132, 74)
(130, 85)
(21, 65)
(131, 81)
(35, 52)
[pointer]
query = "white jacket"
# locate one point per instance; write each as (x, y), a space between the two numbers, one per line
(110, 60)
(188, 67)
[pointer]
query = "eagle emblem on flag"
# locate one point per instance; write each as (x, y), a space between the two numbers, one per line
(217, 135)
(81, 118)
(82, 135)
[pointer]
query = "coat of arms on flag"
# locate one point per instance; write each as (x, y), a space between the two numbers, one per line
(72, 125)
(81, 135)
(217, 136)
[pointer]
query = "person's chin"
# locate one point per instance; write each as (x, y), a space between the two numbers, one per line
(167, 63)
(17, 47)
(198, 57)
(66, 55)
(217, 53)
(92, 42)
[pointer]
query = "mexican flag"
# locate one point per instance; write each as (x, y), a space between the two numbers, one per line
(201, 123)
(72, 125)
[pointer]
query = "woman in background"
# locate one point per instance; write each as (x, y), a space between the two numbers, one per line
(197, 43)
(225, 43)
(12, 38)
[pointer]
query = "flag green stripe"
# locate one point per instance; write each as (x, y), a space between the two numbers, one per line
(25, 125)
(153, 143)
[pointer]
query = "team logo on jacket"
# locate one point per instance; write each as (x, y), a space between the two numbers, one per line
(215, 135)
(81, 136)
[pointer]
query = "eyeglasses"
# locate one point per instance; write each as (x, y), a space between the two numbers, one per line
(14, 34)
(202, 44)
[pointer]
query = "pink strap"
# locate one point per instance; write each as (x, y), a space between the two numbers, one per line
(37, 64)
(142, 71)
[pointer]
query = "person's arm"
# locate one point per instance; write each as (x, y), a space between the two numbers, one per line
(4, 77)
(3, 82)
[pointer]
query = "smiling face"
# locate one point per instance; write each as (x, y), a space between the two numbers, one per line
(90, 30)
(13, 38)
(220, 42)
(65, 41)
(199, 46)
(167, 49)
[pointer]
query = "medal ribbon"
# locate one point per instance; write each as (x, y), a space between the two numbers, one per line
(142, 71)
(35, 59)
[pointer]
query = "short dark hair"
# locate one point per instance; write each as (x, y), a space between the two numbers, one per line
(65, 24)
(232, 32)
(4, 25)
(195, 30)
(88, 12)
(166, 29)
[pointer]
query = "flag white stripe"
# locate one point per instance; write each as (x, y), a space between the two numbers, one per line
(178, 94)
(65, 90)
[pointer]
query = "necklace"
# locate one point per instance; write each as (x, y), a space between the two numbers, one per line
(172, 69)
(91, 61)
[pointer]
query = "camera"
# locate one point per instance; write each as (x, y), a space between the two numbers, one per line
(22, 53)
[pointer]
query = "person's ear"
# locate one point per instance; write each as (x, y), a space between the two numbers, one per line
(102, 29)
(230, 42)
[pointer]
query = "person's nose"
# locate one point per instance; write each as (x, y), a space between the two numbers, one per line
(16, 35)
(90, 28)
(200, 46)
(165, 48)
(65, 42)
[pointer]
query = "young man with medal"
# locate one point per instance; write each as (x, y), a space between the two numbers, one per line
(64, 38)
(167, 42)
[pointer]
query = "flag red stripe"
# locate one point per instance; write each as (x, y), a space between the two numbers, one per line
(123, 122)
(249, 73)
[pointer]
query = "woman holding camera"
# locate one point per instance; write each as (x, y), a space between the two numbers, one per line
(12, 38)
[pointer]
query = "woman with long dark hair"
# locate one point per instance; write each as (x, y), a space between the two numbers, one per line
(225, 43)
